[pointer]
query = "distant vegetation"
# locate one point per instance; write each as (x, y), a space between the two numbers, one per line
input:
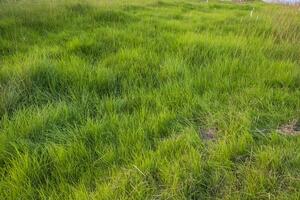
(149, 99)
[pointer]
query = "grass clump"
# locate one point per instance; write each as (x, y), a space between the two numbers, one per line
(148, 100)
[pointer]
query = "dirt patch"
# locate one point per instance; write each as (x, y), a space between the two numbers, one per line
(292, 128)
(208, 134)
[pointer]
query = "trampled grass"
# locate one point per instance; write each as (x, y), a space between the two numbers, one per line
(148, 100)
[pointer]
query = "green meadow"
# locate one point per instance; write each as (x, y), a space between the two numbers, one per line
(150, 99)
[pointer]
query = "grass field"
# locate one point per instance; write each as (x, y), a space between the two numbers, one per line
(149, 99)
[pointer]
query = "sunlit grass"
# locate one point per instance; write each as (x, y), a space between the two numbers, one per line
(108, 99)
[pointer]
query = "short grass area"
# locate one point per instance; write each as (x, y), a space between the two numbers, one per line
(149, 99)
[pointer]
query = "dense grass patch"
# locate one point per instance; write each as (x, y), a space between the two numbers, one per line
(148, 100)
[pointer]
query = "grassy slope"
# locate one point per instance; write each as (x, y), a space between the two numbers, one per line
(105, 101)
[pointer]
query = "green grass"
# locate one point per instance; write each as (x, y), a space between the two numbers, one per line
(106, 100)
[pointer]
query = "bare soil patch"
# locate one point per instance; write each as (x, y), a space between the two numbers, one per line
(292, 128)
(208, 134)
